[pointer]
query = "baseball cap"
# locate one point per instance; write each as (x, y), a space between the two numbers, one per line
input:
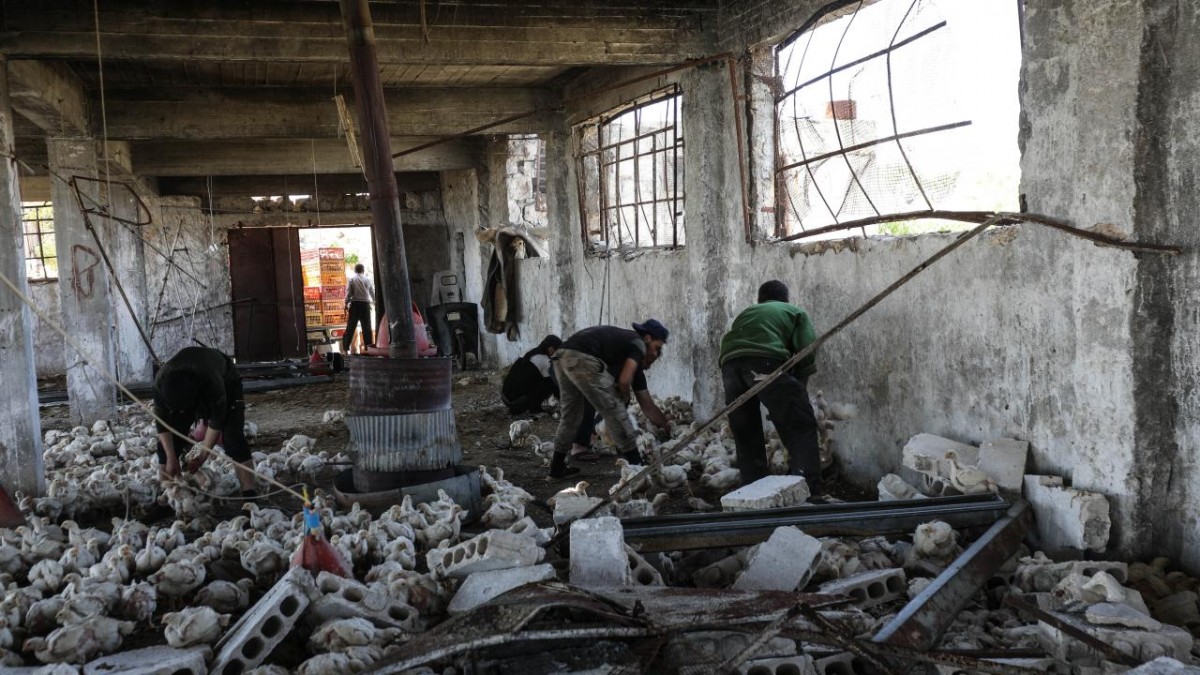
(653, 328)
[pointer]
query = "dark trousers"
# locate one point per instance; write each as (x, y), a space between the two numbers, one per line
(360, 312)
(583, 434)
(233, 436)
(791, 411)
(531, 401)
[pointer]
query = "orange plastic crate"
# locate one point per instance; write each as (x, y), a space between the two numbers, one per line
(328, 306)
(333, 279)
(312, 306)
(312, 292)
(332, 253)
(334, 318)
(333, 292)
(312, 318)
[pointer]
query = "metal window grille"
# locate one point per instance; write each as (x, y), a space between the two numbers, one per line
(870, 120)
(539, 178)
(631, 175)
(41, 257)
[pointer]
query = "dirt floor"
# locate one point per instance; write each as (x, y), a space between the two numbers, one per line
(482, 423)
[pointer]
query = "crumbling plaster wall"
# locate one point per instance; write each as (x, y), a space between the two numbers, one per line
(48, 355)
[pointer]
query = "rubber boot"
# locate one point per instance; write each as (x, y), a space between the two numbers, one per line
(633, 457)
(559, 468)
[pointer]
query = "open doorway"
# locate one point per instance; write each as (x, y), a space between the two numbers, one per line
(327, 258)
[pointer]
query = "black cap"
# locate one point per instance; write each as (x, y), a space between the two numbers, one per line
(653, 328)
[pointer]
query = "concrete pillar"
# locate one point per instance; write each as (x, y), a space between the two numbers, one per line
(87, 304)
(127, 253)
(21, 432)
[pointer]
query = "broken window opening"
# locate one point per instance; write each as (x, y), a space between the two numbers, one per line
(893, 107)
(41, 254)
(631, 175)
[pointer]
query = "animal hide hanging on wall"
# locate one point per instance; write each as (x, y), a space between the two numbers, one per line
(501, 296)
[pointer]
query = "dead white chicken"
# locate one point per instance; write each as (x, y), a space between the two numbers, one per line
(138, 602)
(935, 540)
(722, 480)
(969, 480)
(78, 643)
(337, 635)
(193, 626)
(226, 597)
(179, 578)
(502, 513)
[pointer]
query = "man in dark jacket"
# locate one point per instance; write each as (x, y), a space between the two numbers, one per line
(762, 337)
(201, 383)
(600, 365)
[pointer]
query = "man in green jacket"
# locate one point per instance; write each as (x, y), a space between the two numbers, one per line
(763, 336)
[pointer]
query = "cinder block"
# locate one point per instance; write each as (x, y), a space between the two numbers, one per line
(1003, 460)
(483, 586)
(642, 573)
(718, 645)
(1146, 645)
(526, 526)
(722, 573)
(262, 628)
(341, 598)
(570, 508)
(843, 663)
(492, 550)
(770, 492)
(1045, 665)
(871, 588)
(1067, 518)
(928, 454)
(598, 556)
(153, 661)
(892, 488)
(784, 562)
(801, 664)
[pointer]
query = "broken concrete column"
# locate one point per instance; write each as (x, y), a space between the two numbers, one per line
(83, 287)
(598, 555)
(481, 587)
(21, 434)
(784, 562)
(771, 492)
(1067, 519)
(133, 361)
(870, 588)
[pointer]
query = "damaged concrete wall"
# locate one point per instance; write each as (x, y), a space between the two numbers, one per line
(189, 300)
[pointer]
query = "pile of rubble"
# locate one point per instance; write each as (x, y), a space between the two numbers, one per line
(597, 594)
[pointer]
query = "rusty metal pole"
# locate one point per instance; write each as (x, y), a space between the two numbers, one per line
(381, 176)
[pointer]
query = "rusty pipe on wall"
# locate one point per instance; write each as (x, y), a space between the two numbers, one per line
(381, 176)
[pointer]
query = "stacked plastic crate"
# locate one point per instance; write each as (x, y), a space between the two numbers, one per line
(324, 273)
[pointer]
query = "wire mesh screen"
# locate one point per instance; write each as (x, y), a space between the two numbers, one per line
(631, 175)
(879, 110)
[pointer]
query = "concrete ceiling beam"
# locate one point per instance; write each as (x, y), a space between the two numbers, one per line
(269, 157)
(50, 96)
(192, 114)
(292, 184)
(551, 32)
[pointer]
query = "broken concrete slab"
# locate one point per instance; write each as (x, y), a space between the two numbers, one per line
(931, 454)
(572, 507)
(1113, 614)
(770, 492)
(1003, 459)
(1145, 645)
(265, 625)
(1067, 518)
(642, 573)
(153, 661)
(481, 587)
(893, 488)
(1045, 576)
(870, 588)
(492, 550)
(598, 557)
(784, 562)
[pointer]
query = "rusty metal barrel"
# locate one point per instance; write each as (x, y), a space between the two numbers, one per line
(383, 386)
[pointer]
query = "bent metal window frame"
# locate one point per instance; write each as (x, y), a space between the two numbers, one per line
(41, 256)
(789, 223)
(610, 160)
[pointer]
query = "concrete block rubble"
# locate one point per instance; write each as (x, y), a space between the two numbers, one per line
(223, 598)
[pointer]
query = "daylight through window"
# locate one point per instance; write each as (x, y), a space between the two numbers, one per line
(631, 175)
(893, 107)
(41, 258)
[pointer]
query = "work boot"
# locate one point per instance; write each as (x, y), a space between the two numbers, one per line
(633, 457)
(559, 468)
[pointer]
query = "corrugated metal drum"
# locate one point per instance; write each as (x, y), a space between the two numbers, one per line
(385, 386)
(417, 441)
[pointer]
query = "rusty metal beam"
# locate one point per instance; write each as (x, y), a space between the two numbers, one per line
(923, 621)
(743, 528)
(1083, 636)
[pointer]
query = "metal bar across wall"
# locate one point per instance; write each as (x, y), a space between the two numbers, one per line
(866, 144)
